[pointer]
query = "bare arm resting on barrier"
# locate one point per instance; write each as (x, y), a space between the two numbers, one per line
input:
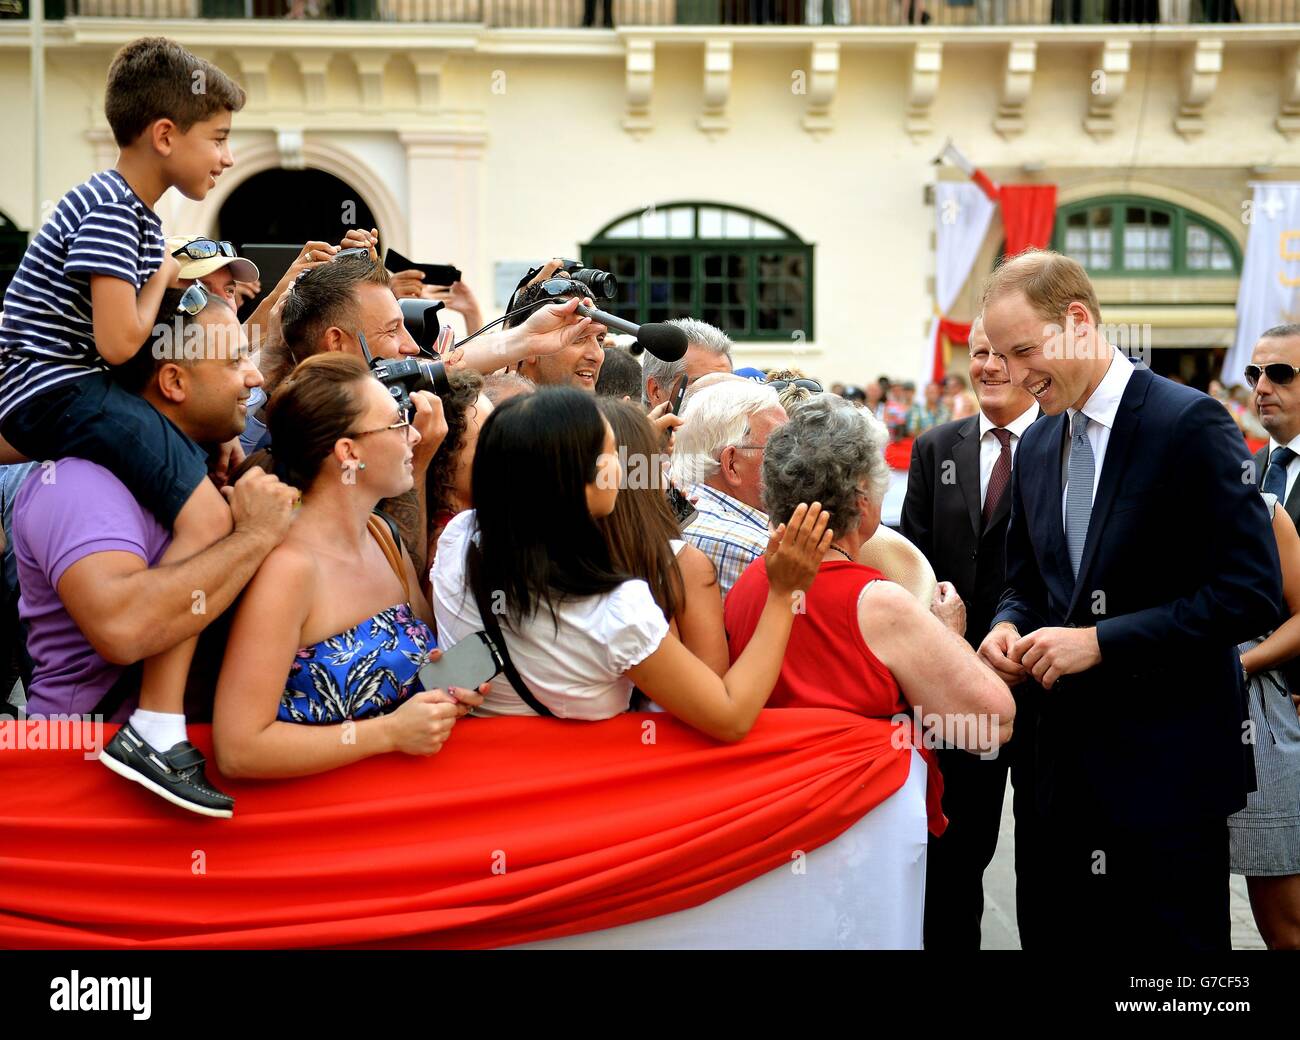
(128, 610)
(249, 739)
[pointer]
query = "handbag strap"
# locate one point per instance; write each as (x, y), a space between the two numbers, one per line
(493, 629)
(383, 534)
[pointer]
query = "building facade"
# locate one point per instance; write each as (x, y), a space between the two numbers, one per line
(774, 179)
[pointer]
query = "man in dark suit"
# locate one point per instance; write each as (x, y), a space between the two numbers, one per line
(1276, 401)
(1139, 554)
(956, 510)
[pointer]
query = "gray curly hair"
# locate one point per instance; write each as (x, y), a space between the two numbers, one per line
(823, 454)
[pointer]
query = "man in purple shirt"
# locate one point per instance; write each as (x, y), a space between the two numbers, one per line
(91, 597)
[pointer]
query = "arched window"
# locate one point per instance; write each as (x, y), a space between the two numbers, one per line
(733, 268)
(1131, 235)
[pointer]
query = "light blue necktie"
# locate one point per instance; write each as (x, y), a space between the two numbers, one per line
(1078, 491)
(1275, 476)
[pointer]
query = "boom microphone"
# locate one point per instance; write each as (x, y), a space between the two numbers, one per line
(666, 342)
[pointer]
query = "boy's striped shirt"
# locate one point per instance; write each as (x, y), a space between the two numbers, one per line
(47, 335)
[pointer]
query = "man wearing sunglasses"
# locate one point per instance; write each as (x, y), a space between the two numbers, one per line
(1271, 375)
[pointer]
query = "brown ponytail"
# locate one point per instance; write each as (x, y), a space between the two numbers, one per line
(316, 404)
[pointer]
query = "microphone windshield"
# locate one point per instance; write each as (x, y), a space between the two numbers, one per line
(666, 342)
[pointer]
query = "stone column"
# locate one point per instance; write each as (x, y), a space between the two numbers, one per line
(444, 178)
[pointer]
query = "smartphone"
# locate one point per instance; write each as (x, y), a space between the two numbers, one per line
(434, 274)
(683, 510)
(679, 395)
(467, 665)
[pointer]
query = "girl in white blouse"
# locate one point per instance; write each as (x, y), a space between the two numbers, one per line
(580, 633)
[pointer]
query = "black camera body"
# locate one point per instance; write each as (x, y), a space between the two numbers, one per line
(598, 283)
(404, 376)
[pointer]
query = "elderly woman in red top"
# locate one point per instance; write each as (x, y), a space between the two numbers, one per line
(863, 644)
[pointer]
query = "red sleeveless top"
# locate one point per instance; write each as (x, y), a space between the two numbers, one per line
(827, 662)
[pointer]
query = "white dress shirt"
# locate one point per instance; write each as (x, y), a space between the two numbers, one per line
(1292, 467)
(991, 448)
(1101, 409)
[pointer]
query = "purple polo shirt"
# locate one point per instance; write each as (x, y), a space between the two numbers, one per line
(62, 514)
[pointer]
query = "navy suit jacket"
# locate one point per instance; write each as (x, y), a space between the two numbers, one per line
(1180, 565)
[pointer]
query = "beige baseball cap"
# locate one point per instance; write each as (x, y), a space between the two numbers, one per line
(241, 270)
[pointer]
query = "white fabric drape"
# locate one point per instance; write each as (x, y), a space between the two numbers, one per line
(863, 891)
(962, 214)
(1269, 293)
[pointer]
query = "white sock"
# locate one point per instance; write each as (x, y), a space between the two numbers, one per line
(164, 730)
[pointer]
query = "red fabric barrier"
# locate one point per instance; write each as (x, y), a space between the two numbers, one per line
(520, 829)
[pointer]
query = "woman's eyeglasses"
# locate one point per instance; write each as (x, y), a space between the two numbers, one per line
(1279, 374)
(205, 249)
(808, 384)
(403, 423)
(194, 299)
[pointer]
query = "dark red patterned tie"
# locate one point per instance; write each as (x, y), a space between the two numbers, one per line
(1000, 479)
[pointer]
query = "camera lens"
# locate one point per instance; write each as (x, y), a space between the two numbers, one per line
(433, 376)
(601, 283)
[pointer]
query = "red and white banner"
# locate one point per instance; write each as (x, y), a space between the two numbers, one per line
(963, 212)
(518, 830)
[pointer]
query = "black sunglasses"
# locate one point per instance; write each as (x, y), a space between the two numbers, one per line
(807, 384)
(1279, 374)
(205, 249)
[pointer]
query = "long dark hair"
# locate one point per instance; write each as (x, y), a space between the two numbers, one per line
(538, 543)
(641, 525)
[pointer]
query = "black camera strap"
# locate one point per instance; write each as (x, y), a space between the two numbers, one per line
(493, 629)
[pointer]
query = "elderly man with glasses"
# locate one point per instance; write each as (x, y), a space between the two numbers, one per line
(718, 461)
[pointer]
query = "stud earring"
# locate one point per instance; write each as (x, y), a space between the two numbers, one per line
(361, 465)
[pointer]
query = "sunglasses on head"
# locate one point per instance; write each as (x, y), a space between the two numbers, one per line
(1279, 374)
(205, 249)
(194, 299)
(807, 384)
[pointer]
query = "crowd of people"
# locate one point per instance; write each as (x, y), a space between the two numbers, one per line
(242, 522)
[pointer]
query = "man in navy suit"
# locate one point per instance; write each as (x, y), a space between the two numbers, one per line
(1139, 554)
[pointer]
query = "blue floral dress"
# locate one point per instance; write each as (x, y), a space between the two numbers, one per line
(366, 671)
